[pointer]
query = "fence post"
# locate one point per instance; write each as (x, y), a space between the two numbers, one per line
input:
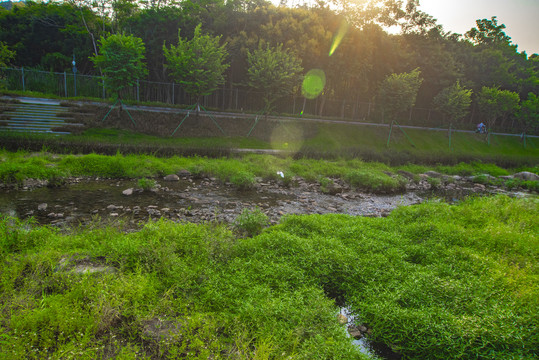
(65, 84)
(236, 98)
(23, 87)
(172, 93)
(369, 111)
(138, 91)
(410, 117)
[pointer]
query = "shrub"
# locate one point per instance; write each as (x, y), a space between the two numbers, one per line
(243, 180)
(375, 181)
(147, 184)
(251, 222)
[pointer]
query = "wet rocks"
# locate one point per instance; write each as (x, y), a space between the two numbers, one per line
(172, 177)
(42, 207)
(128, 192)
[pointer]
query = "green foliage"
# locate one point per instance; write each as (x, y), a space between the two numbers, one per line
(454, 102)
(398, 92)
(243, 180)
(375, 181)
(198, 64)
(251, 222)
(529, 111)
(432, 281)
(6, 55)
(496, 103)
(146, 184)
(121, 60)
(273, 71)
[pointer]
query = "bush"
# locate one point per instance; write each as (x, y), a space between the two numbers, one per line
(147, 184)
(251, 222)
(375, 181)
(243, 180)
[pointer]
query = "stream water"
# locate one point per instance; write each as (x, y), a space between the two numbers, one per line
(188, 200)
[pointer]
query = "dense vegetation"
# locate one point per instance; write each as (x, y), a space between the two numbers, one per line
(241, 171)
(432, 281)
(345, 42)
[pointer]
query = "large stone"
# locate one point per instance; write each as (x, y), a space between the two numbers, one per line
(434, 174)
(184, 173)
(526, 175)
(42, 207)
(171, 177)
(128, 192)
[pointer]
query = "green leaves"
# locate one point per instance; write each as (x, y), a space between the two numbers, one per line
(453, 101)
(398, 92)
(198, 64)
(274, 71)
(121, 60)
(496, 103)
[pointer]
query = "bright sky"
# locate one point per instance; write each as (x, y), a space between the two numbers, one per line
(520, 17)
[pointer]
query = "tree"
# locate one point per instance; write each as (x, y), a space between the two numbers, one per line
(496, 104)
(529, 112)
(398, 92)
(5, 55)
(121, 60)
(198, 64)
(273, 71)
(488, 32)
(453, 102)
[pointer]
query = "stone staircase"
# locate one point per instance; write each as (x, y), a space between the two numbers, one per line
(35, 115)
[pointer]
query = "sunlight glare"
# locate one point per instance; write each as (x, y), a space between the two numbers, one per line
(343, 29)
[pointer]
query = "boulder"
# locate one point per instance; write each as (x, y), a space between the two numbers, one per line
(184, 173)
(434, 174)
(171, 177)
(42, 207)
(527, 176)
(128, 192)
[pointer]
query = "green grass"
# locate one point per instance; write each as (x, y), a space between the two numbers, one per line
(432, 281)
(241, 171)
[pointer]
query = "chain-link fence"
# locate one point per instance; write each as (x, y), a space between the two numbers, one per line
(236, 99)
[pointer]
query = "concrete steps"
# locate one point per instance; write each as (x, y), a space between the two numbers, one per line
(32, 115)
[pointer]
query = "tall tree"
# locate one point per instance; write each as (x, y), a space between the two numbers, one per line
(497, 104)
(398, 92)
(198, 64)
(273, 71)
(121, 61)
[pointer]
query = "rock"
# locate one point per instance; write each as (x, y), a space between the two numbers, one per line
(342, 319)
(184, 173)
(111, 207)
(406, 174)
(42, 207)
(527, 176)
(172, 177)
(355, 332)
(51, 215)
(128, 192)
(114, 214)
(434, 174)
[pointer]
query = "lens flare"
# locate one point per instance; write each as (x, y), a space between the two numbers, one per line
(313, 83)
(343, 29)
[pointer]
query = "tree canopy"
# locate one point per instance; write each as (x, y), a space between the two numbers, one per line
(363, 54)
(454, 102)
(398, 92)
(198, 64)
(121, 60)
(273, 71)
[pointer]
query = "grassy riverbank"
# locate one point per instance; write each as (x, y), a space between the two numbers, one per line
(242, 171)
(432, 281)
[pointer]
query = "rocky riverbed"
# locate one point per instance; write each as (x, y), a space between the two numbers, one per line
(184, 198)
